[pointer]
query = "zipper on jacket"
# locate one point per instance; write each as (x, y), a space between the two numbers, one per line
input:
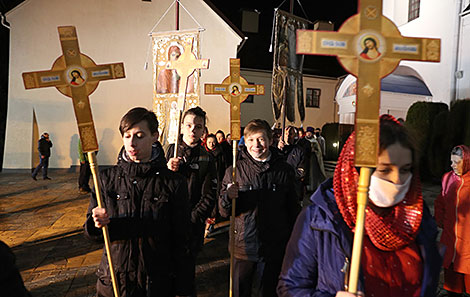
(457, 220)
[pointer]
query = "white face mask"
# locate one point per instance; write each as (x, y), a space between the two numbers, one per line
(386, 194)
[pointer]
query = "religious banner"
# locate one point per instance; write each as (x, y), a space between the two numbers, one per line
(167, 47)
(287, 67)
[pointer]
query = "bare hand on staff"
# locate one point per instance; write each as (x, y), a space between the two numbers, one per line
(281, 144)
(232, 191)
(100, 217)
(174, 164)
(347, 294)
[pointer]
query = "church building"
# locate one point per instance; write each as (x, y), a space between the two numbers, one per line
(109, 31)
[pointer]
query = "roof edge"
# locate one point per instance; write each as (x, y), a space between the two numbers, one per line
(223, 17)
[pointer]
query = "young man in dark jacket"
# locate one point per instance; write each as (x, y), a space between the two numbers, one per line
(266, 209)
(44, 148)
(147, 211)
(295, 156)
(198, 166)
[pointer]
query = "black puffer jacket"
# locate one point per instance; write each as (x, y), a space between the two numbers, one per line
(198, 166)
(149, 229)
(266, 208)
(44, 147)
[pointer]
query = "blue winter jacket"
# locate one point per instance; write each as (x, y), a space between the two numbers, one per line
(321, 243)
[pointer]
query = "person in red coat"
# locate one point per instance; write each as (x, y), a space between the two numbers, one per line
(452, 207)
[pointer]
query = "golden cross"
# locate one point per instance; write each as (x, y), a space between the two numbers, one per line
(75, 75)
(370, 47)
(185, 65)
(235, 89)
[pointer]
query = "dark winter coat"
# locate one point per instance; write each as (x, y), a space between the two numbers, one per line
(321, 243)
(149, 229)
(198, 166)
(44, 147)
(266, 208)
(11, 283)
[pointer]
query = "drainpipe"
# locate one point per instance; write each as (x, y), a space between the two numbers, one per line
(4, 21)
(457, 73)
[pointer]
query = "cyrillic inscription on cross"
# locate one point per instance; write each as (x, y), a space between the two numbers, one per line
(235, 89)
(75, 75)
(370, 47)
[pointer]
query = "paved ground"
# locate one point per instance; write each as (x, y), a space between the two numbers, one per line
(42, 222)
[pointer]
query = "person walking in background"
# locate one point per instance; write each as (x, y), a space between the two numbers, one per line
(85, 171)
(321, 141)
(316, 168)
(214, 148)
(295, 156)
(198, 167)
(225, 145)
(44, 148)
(451, 210)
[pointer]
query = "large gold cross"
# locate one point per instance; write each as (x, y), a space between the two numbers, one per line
(235, 89)
(185, 65)
(75, 75)
(370, 47)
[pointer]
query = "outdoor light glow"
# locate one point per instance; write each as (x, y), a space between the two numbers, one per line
(335, 144)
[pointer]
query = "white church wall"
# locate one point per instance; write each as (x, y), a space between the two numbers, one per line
(108, 31)
(438, 19)
(463, 68)
(326, 113)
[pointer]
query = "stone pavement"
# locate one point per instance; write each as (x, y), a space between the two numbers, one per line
(42, 222)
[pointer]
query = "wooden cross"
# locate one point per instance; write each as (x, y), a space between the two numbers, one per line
(370, 47)
(235, 89)
(185, 65)
(75, 75)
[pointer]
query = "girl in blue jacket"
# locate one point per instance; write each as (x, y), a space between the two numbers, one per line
(400, 255)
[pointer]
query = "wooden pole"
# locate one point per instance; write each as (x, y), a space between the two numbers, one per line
(362, 196)
(232, 218)
(177, 12)
(107, 241)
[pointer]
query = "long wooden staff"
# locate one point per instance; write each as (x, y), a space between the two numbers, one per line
(362, 197)
(107, 242)
(232, 217)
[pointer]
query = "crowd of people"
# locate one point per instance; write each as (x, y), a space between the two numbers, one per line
(159, 204)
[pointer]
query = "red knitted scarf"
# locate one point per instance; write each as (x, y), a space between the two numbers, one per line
(390, 232)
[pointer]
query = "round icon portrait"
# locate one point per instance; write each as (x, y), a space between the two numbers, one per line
(235, 89)
(370, 47)
(76, 76)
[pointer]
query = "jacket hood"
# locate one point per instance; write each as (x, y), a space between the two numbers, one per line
(324, 199)
(465, 158)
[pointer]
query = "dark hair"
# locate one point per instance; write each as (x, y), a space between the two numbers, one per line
(457, 151)
(366, 49)
(220, 131)
(258, 125)
(173, 48)
(212, 135)
(391, 132)
(137, 115)
(197, 112)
